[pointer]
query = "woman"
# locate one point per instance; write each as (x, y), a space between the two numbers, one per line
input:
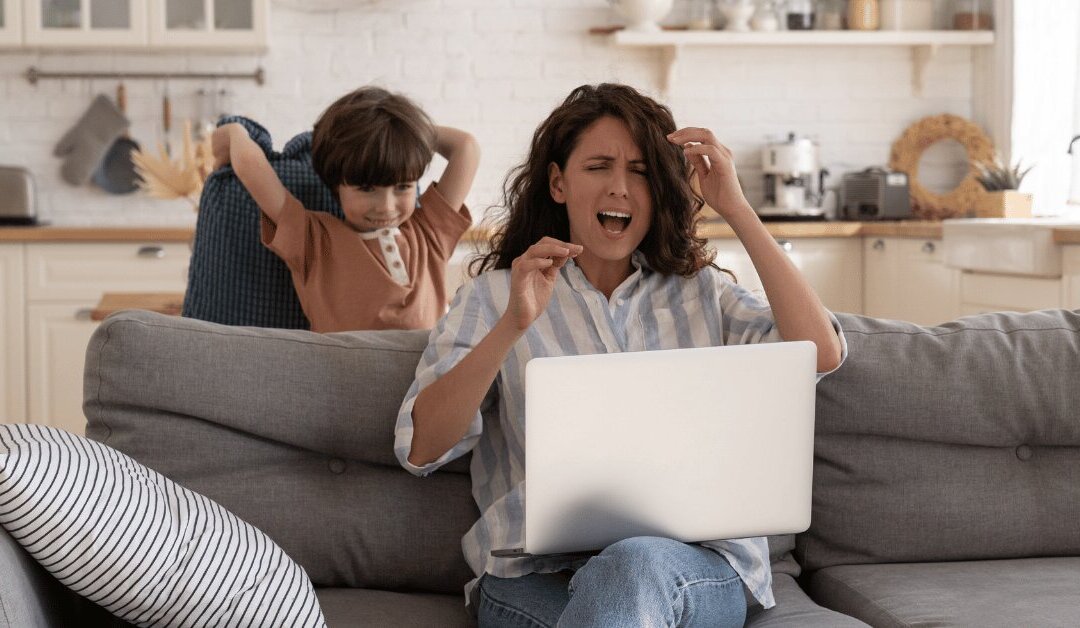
(598, 254)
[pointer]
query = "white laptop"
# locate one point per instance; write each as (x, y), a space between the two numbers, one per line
(688, 444)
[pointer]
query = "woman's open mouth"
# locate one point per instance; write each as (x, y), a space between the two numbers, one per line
(614, 221)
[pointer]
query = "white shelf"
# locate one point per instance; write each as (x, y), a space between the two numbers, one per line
(924, 44)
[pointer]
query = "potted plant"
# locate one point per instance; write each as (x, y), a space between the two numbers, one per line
(1002, 200)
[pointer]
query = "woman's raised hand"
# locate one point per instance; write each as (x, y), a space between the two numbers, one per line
(532, 279)
(715, 168)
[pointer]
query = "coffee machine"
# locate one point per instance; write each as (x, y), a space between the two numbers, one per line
(794, 180)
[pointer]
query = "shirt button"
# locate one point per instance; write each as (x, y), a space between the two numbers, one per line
(386, 232)
(390, 248)
(337, 466)
(620, 301)
(1024, 452)
(397, 264)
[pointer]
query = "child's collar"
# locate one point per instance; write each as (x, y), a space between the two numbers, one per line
(386, 232)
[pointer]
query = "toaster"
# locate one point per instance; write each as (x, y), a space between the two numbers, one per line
(874, 194)
(17, 196)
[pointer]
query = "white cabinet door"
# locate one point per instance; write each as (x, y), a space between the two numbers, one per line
(906, 279)
(10, 23)
(832, 266)
(12, 335)
(986, 292)
(85, 23)
(1070, 260)
(209, 24)
(58, 335)
(85, 271)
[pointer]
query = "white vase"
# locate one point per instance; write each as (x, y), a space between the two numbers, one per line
(642, 15)
(737, 15)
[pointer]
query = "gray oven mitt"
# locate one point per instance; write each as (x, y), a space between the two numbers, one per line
(86, 143)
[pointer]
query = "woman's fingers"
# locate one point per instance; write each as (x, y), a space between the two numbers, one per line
(693, 134)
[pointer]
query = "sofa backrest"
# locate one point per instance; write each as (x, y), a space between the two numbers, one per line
(293, 432)
(958, 442)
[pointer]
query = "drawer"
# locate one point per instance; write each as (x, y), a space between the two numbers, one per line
(65, 272)
(1006, 292)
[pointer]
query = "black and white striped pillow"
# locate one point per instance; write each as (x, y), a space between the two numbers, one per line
(138, 544)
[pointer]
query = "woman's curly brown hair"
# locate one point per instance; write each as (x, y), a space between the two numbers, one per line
(528, 212)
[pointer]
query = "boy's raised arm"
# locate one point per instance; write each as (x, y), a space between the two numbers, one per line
(232, 145)
(462, 152)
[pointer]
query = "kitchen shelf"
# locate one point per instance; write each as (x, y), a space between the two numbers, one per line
(924, 44)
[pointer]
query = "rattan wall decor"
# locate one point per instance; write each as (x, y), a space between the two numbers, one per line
(908, 150)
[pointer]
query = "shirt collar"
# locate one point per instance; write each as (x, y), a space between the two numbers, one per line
(576, 278)
(388, 232)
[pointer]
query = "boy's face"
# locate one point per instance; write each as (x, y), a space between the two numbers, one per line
(374, 207)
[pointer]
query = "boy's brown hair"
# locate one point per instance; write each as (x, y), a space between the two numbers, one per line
(372, 137)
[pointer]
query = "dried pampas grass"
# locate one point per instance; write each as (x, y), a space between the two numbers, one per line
(166, 178)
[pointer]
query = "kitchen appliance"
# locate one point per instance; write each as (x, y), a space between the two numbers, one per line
(874, 194)
(1074, 182)
(17, 206)
(794, 180)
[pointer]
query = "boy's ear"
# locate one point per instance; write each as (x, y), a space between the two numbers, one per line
(555, 183)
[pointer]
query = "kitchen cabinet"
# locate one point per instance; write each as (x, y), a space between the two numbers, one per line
(12, 340)
(64, 281)
(1070, 289)
(221, 25)
(906, 279)
(10, 23)
(987, 292)
(85, 23)
(208, 23)
(832, 266)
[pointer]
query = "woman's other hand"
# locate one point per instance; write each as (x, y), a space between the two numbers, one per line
(714, 165)
(532, 279)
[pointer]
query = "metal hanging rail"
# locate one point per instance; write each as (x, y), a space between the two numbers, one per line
(33, 75)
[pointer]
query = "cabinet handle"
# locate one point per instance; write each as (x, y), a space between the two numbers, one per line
(879, 245)
(786, 245)
(155, 252)
(84, 313)
(928, 248)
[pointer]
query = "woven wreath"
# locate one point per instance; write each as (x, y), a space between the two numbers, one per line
(908, 150)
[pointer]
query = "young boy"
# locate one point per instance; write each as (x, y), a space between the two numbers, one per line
(384, 265)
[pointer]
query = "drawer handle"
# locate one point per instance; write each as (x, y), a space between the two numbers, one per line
(155, 252)
(928, 248)
(879, 245)
(84, 314)
(786, 245)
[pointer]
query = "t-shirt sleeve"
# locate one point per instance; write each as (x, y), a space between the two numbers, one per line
(747, 318)
(454, 336)
(288, 238)
(441, 225)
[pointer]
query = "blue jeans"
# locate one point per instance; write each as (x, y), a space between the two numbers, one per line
(643, 581)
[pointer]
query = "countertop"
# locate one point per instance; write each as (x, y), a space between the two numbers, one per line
(709, 229)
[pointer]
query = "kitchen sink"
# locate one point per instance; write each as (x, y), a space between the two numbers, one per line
(1004, 245)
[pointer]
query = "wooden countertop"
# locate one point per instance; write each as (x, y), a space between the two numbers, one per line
(162, 302)
(709, 229)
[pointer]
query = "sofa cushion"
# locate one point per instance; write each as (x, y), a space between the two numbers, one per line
(360, 608)
(1021, 592)
(139, 545)
(794, 609)
(957, 442)
(293, 432)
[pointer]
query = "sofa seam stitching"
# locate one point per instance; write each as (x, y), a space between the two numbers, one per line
(289, 340)
(959, 331)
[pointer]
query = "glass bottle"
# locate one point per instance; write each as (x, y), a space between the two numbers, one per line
(765, 18)
(701, 15)
(972, 15)
(831, 15)
(800, 15)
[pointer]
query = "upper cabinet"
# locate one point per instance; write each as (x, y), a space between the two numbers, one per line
(143, 24)
(85, 23)
(10, 23)
(208, 24)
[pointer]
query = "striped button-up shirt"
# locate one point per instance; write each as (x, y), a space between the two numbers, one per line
(647, 311)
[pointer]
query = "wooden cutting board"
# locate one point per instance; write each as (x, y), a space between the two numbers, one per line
(162, 302)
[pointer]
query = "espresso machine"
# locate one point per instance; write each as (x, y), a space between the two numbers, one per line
(794, 180)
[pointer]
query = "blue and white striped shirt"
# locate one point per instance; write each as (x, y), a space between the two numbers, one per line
(647, 311)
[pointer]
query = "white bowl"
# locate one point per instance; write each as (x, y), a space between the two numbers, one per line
(642, 15)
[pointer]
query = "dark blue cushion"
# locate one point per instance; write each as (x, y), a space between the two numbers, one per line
(234, 279)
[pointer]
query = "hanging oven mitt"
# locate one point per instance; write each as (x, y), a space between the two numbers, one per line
(86, 143)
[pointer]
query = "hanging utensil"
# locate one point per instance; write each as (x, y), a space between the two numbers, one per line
(116, 172)
(166, 118)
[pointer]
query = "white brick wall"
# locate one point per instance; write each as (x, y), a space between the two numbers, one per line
(493, 68)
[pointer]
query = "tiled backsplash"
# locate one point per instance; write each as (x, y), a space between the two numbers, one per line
(495, 72)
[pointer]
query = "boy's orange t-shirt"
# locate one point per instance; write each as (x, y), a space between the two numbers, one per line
(342, 280)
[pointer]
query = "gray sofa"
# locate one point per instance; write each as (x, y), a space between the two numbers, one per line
(946, 488)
